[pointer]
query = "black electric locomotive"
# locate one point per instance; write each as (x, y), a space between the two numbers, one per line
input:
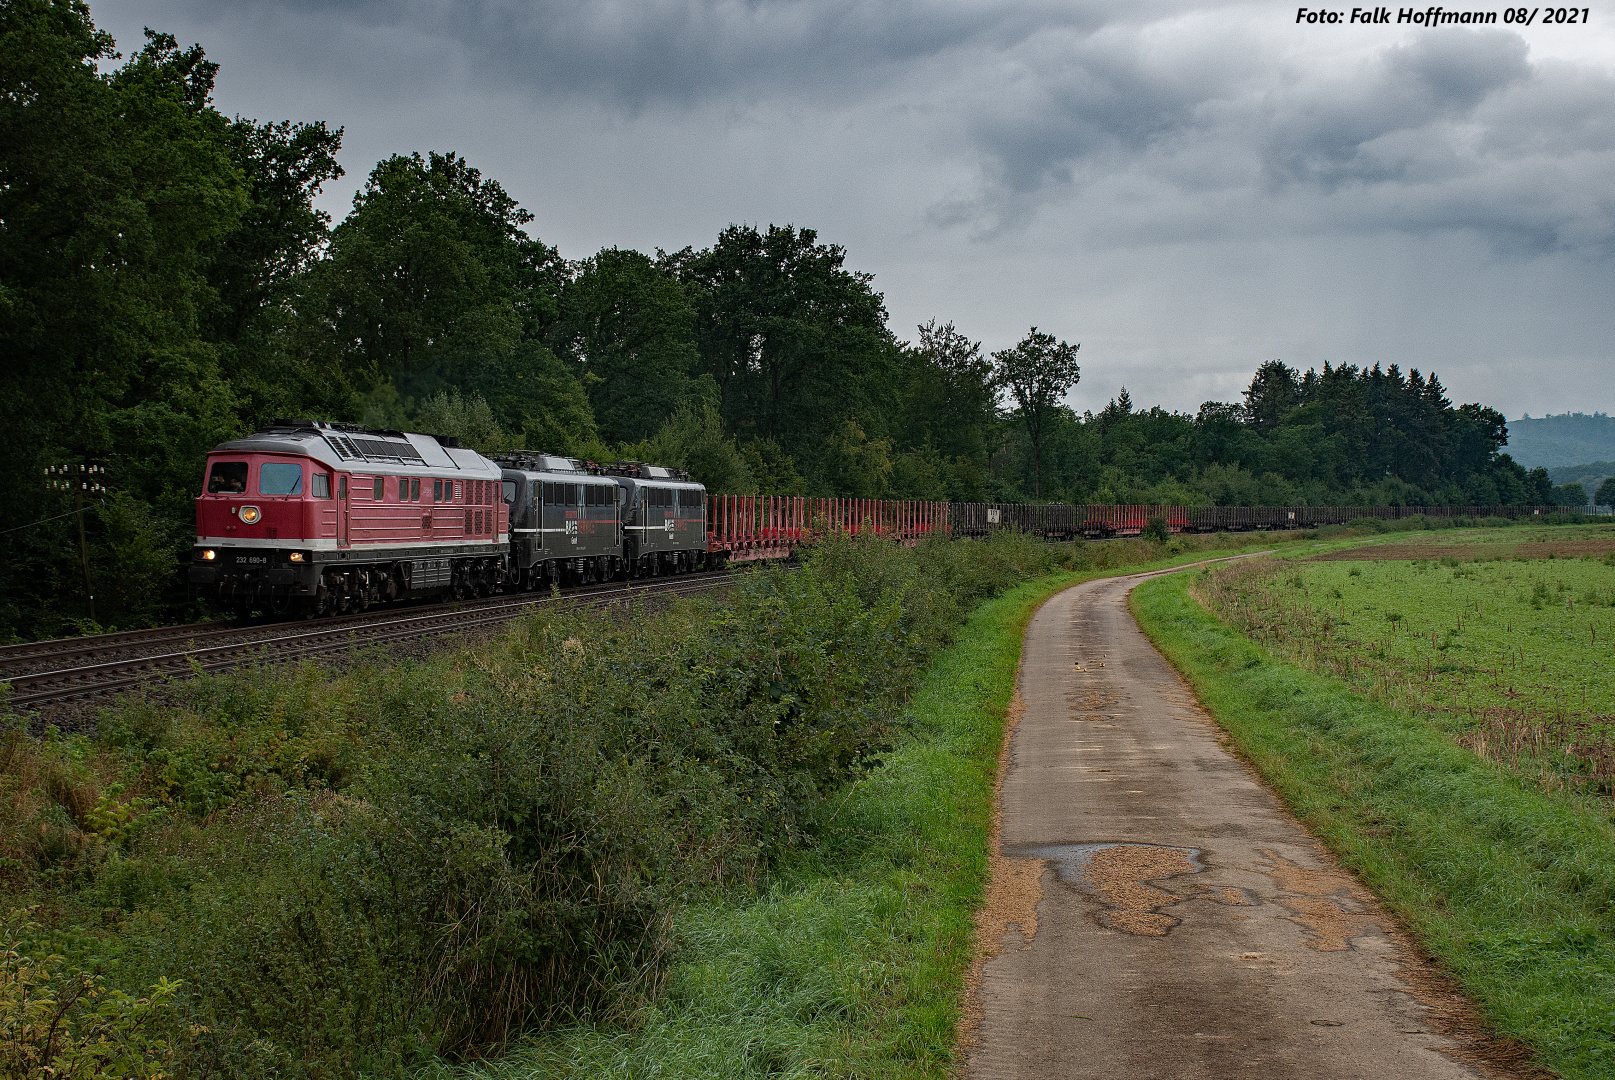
(573, 522)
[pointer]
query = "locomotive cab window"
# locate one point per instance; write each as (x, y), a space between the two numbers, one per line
(320, 485)
(227, 478)
(280, 478)
(510, 490)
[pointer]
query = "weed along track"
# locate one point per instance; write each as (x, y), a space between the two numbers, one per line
(1186, 925)
(79, 668)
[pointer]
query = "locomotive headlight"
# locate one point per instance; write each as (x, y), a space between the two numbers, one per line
(249, 514)
(208, 555)
(296, 556)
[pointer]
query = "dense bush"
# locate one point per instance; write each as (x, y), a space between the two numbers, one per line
(353, 870)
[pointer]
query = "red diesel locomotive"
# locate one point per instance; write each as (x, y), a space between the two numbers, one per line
(314, 518)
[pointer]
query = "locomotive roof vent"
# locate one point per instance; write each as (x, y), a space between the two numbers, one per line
(399, 449)
(646, 472)
(538, 462)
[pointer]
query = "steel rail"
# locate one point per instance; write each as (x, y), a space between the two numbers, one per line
(24, 659)
(26, 651)
(40, 688)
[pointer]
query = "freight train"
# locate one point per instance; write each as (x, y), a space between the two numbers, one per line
(311, 518)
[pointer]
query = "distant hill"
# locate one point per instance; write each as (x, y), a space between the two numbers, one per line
(1566, 439)
(1591, 476)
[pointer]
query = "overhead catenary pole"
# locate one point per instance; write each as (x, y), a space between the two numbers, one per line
(84, 547)
(85, 480)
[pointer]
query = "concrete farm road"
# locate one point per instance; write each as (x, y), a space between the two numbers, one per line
(1177, 922)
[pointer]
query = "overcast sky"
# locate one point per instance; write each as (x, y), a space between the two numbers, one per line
(1186, 189)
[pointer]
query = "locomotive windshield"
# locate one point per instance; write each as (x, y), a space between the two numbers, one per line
(229, 478)
(280, 478)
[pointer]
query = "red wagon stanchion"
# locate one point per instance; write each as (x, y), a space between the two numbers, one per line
(743, 528)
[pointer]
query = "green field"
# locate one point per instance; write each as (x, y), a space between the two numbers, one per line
(1506, 644)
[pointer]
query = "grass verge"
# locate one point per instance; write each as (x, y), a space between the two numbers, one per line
(1511, 888)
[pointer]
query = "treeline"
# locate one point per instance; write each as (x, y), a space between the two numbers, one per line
(1348, 436)
(167, 282)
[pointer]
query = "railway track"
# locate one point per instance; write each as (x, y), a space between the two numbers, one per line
(47, 673)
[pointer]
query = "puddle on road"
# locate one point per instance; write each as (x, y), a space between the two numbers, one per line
(1090, 705)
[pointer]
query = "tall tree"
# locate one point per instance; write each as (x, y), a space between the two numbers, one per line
(115, 190)
(258, 269)
(796, 342)
(1274, 393)
(630, 329)
(431, 284)
(1037, 372)
(947, 396)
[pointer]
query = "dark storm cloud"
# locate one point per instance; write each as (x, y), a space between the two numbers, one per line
(1450, 131)
(646, 52)
(1162, 121)
(1354, 129)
